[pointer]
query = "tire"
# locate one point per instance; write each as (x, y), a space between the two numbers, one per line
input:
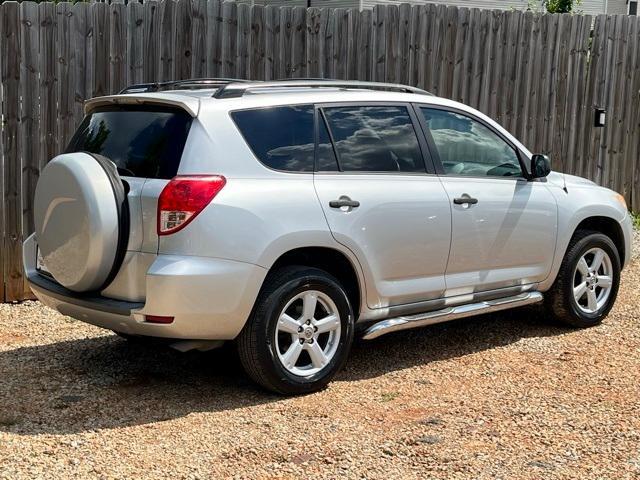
(264, 340)
(561, 301)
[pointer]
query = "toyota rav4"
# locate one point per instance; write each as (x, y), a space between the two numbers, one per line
(290, 216)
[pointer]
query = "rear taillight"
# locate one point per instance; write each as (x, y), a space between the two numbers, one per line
(183, 198)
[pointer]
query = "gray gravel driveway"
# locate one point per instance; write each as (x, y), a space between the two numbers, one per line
(498, 396)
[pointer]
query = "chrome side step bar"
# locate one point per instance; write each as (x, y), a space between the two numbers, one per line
(450, 313)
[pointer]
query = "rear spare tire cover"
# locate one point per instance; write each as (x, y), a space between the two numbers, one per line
(79, 219)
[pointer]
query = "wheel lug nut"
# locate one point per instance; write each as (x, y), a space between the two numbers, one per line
(301, 341)
(300, 329)
(311, 340)
(308, 322)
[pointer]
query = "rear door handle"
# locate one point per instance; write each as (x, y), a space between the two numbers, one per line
(465, 199)
(344, 201)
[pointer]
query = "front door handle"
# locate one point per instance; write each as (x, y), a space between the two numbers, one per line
(344, 201)
(465, 199)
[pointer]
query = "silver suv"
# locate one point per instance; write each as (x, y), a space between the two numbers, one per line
(290, 216)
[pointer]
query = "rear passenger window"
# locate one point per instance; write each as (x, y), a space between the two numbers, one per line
(375, 139)
(281, 137)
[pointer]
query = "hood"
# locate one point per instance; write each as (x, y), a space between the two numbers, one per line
(555, 178)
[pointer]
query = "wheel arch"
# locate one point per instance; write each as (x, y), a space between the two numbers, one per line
(609, 227)
(603, 222)
(334, 262)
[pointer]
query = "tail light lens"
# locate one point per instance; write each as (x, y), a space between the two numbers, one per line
(183, 198)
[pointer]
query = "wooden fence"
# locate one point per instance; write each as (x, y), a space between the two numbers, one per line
(541, 76)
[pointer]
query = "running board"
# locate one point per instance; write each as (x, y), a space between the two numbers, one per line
(450, 313)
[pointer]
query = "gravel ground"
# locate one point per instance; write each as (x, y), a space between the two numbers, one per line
(501, 396)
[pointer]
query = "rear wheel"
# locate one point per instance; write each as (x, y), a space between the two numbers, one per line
(300, 332)
(587, 284)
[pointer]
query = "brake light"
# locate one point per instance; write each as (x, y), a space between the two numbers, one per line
(184, 197)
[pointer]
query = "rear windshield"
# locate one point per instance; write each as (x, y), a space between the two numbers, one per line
(143, 141)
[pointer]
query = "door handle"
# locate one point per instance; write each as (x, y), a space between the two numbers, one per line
(344, 201)
(465, 199)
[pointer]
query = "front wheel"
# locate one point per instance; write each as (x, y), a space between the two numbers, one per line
(300, 332)
(587, 283)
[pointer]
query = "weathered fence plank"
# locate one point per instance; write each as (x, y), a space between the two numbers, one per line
(632, 148)
(270, 41)
(47, 123)
(257, 44)
(151, 41)
(363, 45)
(11, 77)
(298, 42)
(29, 43)
(183, 40)
(79, 40)
(118, 33)
(100, 61)
(541, 76)
(3, 256)
(228, 41)
(167, 40)
(327, 40)
(379, 43)
(213, 44)
(242, 41)
(135, 43)
(65, 62)
(29, 73)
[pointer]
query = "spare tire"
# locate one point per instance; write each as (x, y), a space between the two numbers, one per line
(81, 220)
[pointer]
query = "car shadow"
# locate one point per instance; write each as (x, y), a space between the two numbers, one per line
(421, 346)
(106, 382)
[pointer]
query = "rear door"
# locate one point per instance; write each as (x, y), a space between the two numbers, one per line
(146, 143)
(381, 202)
(503, 226)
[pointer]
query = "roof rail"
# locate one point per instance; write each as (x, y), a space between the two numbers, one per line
(189, 84)
(238, 89)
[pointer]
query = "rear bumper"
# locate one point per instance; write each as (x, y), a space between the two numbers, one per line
(209, 298)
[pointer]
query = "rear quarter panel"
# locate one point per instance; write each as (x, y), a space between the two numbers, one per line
(255, 221)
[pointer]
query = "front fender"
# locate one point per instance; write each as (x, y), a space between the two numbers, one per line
(578, 204)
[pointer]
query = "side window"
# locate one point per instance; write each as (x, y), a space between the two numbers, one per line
(281, 137)
(466, 147)
(374, 139)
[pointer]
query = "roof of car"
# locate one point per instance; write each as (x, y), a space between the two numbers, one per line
(195, 100)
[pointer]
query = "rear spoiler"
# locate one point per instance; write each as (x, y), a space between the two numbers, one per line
(189, 104)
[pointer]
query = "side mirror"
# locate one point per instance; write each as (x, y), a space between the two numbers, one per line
(540, 166)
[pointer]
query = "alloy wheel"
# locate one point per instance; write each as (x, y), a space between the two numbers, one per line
(308, 333)
(593, 280)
